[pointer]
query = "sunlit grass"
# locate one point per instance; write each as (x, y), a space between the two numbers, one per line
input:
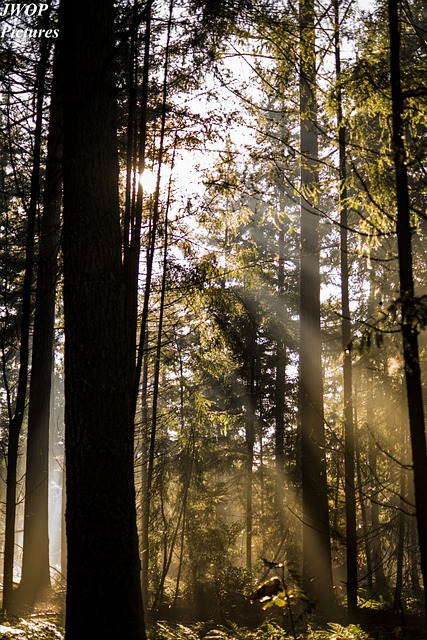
(32, 629)
(268, 631)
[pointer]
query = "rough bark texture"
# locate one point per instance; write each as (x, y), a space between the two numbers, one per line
(317, 571)
(407, 294)
(104, 594)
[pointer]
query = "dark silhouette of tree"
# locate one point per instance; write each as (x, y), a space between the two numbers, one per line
(409, 324)
(317, 567)
(349, 443)
(35, 580)
(16, 421)
(103, 574)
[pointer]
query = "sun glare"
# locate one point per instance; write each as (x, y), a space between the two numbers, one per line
(148, 181)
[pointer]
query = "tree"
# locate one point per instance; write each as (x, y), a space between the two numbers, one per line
(407, 301)
(103, 585)
(24, 349)
(349, 444)
(317, 567)
(35, 580)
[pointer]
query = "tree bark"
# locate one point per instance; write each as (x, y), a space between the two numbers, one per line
(103, 574)
(349, 440)
(407, 294)
(317, 565)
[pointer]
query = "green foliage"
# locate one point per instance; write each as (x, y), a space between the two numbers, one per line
(34, 629)
(269, 631)
(338, 632)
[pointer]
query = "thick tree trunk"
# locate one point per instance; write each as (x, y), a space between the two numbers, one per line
(35, 580)
(103, 575)
(317, 569)
(407, 294)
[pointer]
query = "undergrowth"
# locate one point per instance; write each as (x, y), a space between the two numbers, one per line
(268, 631)
(21, 629)
(273, 631)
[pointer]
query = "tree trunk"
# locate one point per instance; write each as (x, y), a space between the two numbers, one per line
(349, 444)
(380, 582)
(103, 580)
(407, 294)
(250, 443)
(400, 547)
(279, 434)
(317, 566)
(144, 321)
(35, 580)
(17, 420)
(133, 222)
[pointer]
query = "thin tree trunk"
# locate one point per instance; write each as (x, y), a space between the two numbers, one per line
(407, 293)
(363, 511)
(250, 443)
(349, 446)
(181, 517)
(279, 435)
(144, 319)
(400, 550)
(380, 585)
(145, 445)
(132, 225)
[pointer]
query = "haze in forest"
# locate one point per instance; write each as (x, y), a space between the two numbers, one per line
(213, 313)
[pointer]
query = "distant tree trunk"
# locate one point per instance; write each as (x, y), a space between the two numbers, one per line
(279, 435)
(400, 547)
(317, 565)
(18, 417)
(145, 445)
(35, 580)
(349, 444)
(103, 574)
(407, 294)
(250, 443)
(380, 582)
(63, 523)
(133, 222)
(144, 319)
(363, 510)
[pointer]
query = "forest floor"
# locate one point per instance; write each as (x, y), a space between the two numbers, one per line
(49, 625)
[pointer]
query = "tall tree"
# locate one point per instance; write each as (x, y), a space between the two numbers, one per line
(317, 566)
(24, 350)
(35, 579)
(349, 441)
(409, 323)
(103, 581)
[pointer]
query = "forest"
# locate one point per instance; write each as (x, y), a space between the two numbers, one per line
(213, 319)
